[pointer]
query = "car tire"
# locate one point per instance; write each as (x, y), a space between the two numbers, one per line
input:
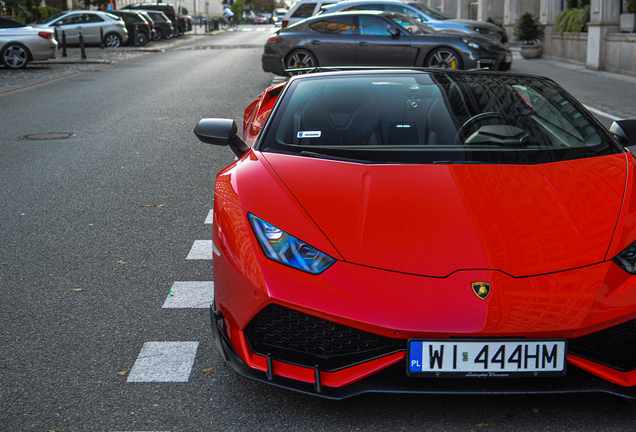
(444, 58)
(112, 40)
(505, 66)
(156, 36)
(14, 56)
(300, 59)
(142, 39)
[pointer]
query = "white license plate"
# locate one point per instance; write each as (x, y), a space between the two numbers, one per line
(486, 358)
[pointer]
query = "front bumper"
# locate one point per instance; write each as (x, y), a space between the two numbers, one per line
(393, 379)
(500, 61)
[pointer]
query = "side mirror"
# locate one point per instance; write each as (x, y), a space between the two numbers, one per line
(625, 132)
(393, 31)
(222, 132)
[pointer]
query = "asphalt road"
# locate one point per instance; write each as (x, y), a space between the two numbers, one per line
(97, 228)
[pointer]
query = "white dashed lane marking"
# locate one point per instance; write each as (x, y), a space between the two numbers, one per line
(164, 362)
(190, 295)
(201, 250)
(173, 361)
(210, 218)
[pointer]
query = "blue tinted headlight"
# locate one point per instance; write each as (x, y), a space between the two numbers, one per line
(627, 259)
(281, 247)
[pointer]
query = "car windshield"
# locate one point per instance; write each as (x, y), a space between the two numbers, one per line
(432, 117)
(411, 25)
(433, 13)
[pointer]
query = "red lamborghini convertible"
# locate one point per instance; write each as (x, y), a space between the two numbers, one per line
(425, 231)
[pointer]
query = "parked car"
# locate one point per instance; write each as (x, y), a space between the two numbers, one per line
(20, 44)
(180, 25)
(277, 16)
(187, 22)
(427, 15)
(373, 38)
(137, 25)
(304, 9)
(262, 19)
(155, 30)
(91, 24)
(425, 231)
(163, 25)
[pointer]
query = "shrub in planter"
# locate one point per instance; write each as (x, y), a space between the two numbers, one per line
(529, 31)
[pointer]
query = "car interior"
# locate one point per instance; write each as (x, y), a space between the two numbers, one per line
(392, 112)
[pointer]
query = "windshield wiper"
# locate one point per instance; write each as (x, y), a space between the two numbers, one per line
(336, 158)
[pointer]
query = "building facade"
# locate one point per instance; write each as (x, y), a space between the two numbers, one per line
(609, 43)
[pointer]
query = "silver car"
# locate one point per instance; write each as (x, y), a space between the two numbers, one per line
(90, 24)
(425, 14)
(20, 44)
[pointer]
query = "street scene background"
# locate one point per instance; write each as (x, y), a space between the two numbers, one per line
(106, 197)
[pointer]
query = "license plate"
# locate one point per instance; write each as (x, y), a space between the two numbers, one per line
(486, 358)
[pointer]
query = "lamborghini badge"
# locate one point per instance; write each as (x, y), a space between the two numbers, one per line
(481, 289)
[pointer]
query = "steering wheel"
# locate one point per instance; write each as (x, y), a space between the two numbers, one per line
(489, 115)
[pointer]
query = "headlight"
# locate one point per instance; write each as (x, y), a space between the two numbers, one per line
(627, 259)
(471, 43)
(281, 247)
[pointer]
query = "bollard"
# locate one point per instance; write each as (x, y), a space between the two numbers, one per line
(55, 34)
(63, 43)
(101, 37)
(206, 25)
(81, 41)
(134, 34)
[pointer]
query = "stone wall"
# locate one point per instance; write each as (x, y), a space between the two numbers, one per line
(571, 47)
(620, 53)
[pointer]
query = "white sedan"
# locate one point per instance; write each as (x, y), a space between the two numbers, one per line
(20, 44)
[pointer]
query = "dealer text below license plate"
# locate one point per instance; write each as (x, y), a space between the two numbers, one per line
(475, 358)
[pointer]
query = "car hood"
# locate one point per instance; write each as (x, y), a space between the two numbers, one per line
(437, 219)
(480, 24)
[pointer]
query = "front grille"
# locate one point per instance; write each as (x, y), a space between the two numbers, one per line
(296, 337)
(614, 347)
